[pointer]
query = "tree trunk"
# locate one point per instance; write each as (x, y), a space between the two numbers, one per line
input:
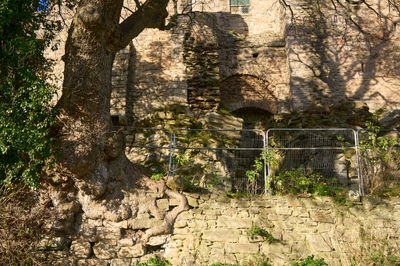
(93, 175)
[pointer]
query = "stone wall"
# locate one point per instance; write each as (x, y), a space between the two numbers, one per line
(343, 53)
(301, 54)
(215, 229)
(194, 62)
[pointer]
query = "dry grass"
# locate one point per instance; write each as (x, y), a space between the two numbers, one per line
(21, 226)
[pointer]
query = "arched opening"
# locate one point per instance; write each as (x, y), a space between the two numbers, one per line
(254, 117)
(250, 94)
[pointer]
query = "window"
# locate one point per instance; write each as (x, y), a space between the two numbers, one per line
(240, 6)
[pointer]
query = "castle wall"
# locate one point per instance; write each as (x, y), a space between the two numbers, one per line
(218, 228)
(300, 59)
(342, 54)
(314, 56)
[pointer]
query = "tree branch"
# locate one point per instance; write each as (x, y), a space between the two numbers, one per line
(151, 14)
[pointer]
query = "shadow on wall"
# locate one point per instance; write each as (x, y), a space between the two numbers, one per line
(247, 91)
(206, 47)
(343, 54)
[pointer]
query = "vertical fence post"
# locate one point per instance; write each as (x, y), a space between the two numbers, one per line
(264, 154)
(170, 152)
(173, 154)
(360, 177)
(268, 183)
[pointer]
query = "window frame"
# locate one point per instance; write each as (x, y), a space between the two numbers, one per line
(239, 5)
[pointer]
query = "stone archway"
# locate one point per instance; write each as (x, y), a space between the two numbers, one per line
(247, 91)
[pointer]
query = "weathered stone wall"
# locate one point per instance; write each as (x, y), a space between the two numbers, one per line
(215, 230)
(192, 62)
(308, 54)
(343, 53)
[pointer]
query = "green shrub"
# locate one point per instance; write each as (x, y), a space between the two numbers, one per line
(380, 154)
(155, 261)
(255, 231)
(310, 261)
(299, 181)
(25, 117)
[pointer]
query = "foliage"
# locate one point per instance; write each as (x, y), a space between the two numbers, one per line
(182, 159)
(299, 181)
(341, 199)
(155, 261)
(25, 118)
(375, 252)
(254, 174)
(310, 261)
(259, 259)
(379, 258)
(390, 190)
(380, 155)
(255, 231)
(157, 176)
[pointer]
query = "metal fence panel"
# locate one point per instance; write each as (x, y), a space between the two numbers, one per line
(219, 158)
(329, 152)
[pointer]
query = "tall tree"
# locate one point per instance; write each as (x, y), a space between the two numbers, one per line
(93, 170)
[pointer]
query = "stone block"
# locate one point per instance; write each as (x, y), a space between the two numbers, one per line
(318, 243)
(94, 222)
(250, 248)
(243, 204)
(260, 203)
(180, 224)
(163, 204)
(121, 262)
(284, 211)
(104, 251)
(81, 249)
(91, 262)
(192, 202)
(108, 233)
(143, 223)
(233, 222)
(132, 252)
(122, 224)
(211, 212)
(88, 232)
(126, 242)
(157, 240)
(322, 217)
(222, 235)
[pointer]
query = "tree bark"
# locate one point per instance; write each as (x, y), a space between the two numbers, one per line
(92, 169)
(93, 39)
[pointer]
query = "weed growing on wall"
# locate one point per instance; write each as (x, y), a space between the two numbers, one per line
(255, 231)
(310, 261)
(155, 261)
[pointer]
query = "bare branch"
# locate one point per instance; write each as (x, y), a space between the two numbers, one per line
(286, 5)
(130, 10)
(371, 8)
(138, 5)
(151, 14)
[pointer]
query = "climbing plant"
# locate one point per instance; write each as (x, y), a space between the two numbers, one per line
(25, 116)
